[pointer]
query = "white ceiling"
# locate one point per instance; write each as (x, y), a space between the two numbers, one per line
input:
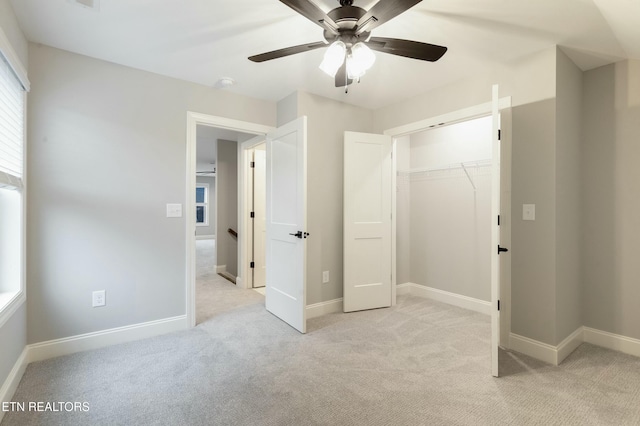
(203, 40)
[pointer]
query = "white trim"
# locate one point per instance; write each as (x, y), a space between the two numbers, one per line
(394, 227)
(13, 379)
(464, 114)
(458, 300)
(99, 339)
(616, 342)
(193, 120)
(569, 344)
(533, 348)
(10, 308)
(319, 309)
(404, 288)
(221, 269)
(14, 61)
(205, 237)
(553, 355)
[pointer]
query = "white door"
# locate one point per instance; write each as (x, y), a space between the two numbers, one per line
(367, 221)
(259, 216)
(495, 232)
(286, 223)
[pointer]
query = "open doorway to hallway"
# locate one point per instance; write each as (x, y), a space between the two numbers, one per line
(216, 217)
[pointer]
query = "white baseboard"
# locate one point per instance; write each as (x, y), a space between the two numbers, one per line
(323, 308)
(555, 355)
(627, 345)
(99, 339)
(15, 375)
(569, 344)
(533, 348)
(205, 237)
(404, 288)
(221, 268)
(458, 300)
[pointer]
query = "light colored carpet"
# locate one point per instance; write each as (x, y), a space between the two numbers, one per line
(418, 363)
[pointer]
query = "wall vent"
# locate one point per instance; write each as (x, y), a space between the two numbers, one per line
(87, 4)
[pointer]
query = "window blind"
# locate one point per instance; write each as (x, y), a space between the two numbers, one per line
(11, 127)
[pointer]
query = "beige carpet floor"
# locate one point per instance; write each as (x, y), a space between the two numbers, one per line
(418, 363)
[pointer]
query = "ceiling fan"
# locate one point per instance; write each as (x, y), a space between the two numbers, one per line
(347, 30)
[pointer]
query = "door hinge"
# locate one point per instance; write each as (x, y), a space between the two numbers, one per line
(498, 220)
(498, 305)
(252, 215)
(252, 164)
(499, 134)
(252, 265)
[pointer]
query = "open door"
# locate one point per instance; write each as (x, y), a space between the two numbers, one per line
(367, 221)
(495, 232)
(286, 220)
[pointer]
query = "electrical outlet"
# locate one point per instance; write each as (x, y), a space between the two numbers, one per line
(99, 298)
(325, 277)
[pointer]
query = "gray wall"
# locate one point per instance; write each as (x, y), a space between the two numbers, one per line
(11, 28)
(107, 153)
(611, 199)
(533, 243)
(328, 120)
(211, 229)
(13, 333)
(568, 182)
(227, 205)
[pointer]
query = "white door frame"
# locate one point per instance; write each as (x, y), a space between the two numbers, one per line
(193, 120)
(466, 114)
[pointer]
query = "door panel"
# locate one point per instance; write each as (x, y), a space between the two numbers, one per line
(285, 216)
(367, 221)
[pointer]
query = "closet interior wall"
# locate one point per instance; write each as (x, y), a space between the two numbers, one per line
(444, 208)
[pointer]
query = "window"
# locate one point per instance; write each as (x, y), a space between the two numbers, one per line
(12, 125)
(202, 204)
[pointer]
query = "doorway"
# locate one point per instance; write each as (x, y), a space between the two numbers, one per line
(225, 127)
(370, 184)
(499, 113)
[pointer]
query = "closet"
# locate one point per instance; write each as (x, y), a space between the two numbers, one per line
(444, 209)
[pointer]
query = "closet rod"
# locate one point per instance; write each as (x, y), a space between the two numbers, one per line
(479, 163)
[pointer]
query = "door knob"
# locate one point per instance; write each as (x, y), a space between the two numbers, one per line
(297, 234)
(502, 249)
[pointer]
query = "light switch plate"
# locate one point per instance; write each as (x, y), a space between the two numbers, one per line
(174, 210)
(528, 212)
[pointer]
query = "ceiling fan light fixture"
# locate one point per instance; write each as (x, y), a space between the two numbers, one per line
(334, 58)
(359, 61)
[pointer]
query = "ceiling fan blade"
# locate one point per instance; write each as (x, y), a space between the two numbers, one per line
(287, 51)
(382, 12)
(341, 76)
(407, 48)
(313, 13)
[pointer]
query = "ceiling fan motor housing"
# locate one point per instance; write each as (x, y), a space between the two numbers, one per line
(346, 17)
